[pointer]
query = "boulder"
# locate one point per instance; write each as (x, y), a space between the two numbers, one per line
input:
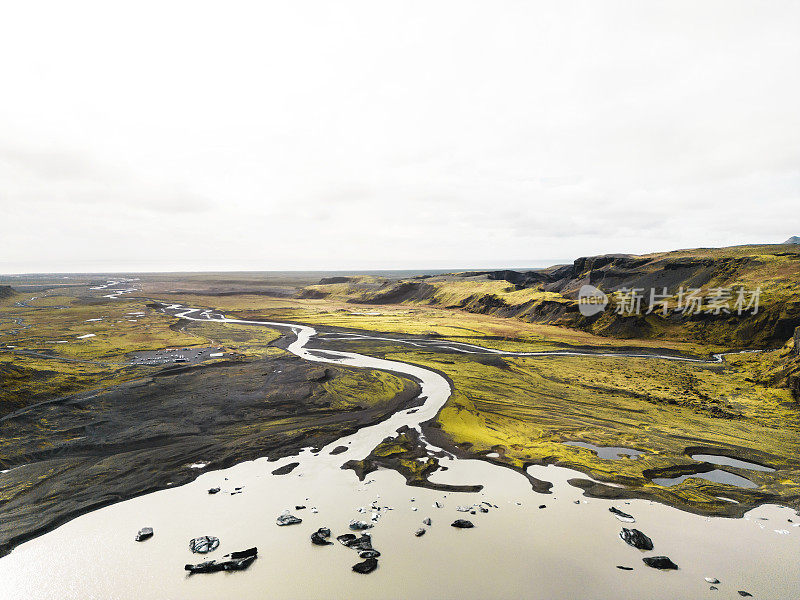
(462, 524)
(659, 562)
(203, 544)
(145, 533)
(320, 537)
(635, 538)
(369, 554)
(427, 522)
(745, 594)
(356, 525)
(622, 568)
(622, 516)
(287, 519)
(214, 490)
(420, 532)
(366, 566)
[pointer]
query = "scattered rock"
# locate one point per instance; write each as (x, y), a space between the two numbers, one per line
(463, 508)
(214, 490)
(437, 505)
(745, 594)
(713, 587)
(366, 566)
(369, 554)
(420, 532)
(711, 579)
(625, 568)
(635, 538)
(543, 506)
(287, 519)
(299, 507)
(339, 450)
(357, 525)
(346, 539)
(462, 524)
(203, 544)
(659, 562)
(483, 509)
(622, 516)
(237, 561)
(320, 537)
(427, 522)
(145, 533)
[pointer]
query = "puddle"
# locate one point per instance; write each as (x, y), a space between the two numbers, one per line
(715, 459)
(717, 476)
(607, 452)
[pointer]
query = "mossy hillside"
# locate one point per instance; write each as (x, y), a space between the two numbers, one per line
(527, 408)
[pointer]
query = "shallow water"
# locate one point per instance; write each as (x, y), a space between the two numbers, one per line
(608, 452)
(717, 476)
(731, 462)
(565, 550)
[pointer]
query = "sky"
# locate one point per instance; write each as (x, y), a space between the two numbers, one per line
(161, 136)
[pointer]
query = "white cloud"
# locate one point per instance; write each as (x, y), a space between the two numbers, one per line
(366, 134)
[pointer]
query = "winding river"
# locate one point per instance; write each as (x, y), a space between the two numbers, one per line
(553, 546)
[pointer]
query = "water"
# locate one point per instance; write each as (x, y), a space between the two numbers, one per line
(608, 452)
(731, 462)
(717, 476)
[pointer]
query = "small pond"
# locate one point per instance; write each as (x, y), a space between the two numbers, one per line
(609, 452)
(715, 459)
(717, 476)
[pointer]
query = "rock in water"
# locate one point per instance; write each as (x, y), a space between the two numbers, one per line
(320, 537)
(622, 516)
(745, 594)
(711, 579)
(243, 553)
(635, 538)
(420, 532)
(287, 519)
(356, 525)
(659, 562)
(203, 544)
(462, 524)
(369, 554)
(145, 533)
(214, 490)
(367, 566)
(427, 522)
(237, 561)
(346, 539)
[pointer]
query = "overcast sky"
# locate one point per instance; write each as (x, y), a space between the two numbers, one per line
(352, 135)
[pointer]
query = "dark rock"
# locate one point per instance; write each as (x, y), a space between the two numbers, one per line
(543, 506)
(238, 561)
(625, 568)
(427, 522)
(320, 537)
(711, 579)
(286, 469)
(203, 544)
(420, 532)
(369, 554)
(362, 543)
(483, 509)
(243, 553)
(659, 562)
(462, 524)
(745, 594)
(346, 539)
(287, 519)
(299, 507)
(356, 525)
(713, 587)
(338, 450)
(214, 490)
(366, 566)
(145, 533)
(635, 538)
(622, 516)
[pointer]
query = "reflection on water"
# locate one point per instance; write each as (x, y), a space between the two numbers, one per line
(717, 476)
(731, 462)
(608, 452)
